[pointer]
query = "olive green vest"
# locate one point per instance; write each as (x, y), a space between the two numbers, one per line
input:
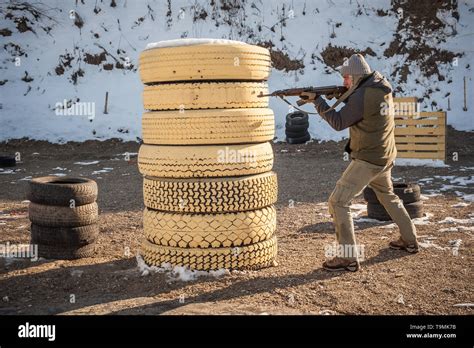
(373, 139)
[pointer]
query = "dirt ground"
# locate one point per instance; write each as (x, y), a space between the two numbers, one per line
(433, 281)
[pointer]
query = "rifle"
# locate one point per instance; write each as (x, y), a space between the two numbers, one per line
(334, 91)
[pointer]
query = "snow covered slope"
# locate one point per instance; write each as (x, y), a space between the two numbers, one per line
(56, 53)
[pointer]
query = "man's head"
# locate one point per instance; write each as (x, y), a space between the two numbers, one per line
(354, 69)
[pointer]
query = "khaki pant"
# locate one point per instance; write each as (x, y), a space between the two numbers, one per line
(356, 177)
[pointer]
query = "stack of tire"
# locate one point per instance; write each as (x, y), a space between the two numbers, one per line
(296, 128)
(409, 194)
(64, 216)
(7, 161)
(206, 159)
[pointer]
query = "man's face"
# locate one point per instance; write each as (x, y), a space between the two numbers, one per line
(347, 81)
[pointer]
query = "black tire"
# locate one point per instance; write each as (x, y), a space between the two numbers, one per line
(296, 118)
(64, 236)
(63, 253)
(378, 212)
(51, 190)
(7, 161)
(300, 140)
(54, 216)
(407, 192)
(296, 134)
(297, 127)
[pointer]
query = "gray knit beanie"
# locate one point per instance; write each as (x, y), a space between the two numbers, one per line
(355, 65)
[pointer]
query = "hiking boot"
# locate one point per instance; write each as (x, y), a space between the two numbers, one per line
(400, 244)
(341, 264)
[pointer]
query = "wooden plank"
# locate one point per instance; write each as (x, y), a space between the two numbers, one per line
(414, 117)
(426, 155)
(420, 131)
(445, 144)
(425, 142)
(421, 147)
(405, 100)
(404, 142)
(438, 114)
(415, 122)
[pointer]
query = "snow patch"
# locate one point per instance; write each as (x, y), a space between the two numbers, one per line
(469, 198)
(430, 244)
(425, 220)
(26, 178)
(449, 229)
(192, 42)
(86, 163)
(389, 226)
(368, 220)
(420, 162)
(451, 220)
(104, 170)
(177, 273)
(463, 181)
(460, 205)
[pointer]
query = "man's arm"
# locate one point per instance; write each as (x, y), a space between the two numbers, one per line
(350, 114)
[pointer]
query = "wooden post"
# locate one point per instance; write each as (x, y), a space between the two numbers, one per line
(106, 102)
(465, 101)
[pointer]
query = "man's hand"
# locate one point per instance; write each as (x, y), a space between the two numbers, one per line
(307, 97)
(330, 96)
(334, 95)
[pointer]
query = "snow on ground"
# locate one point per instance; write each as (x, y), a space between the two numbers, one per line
(85, 163)
(104, 170)
(177, 273)
(460, 205)
(469, 198)
(451, 220)
(425, 220)
(34, 87)
(416, 162)
(368, 220)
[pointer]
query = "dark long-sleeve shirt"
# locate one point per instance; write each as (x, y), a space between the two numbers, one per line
(351, 113)
(368, 113)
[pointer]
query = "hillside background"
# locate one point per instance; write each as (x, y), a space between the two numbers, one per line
(48, 55)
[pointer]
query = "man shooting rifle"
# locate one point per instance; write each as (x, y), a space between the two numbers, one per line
(372, 149)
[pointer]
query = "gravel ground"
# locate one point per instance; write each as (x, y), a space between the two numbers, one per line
(433, 281)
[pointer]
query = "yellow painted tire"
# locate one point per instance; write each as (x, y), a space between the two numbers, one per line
(205, 62)
(216, 195)
(205, 161)
(209, 230)
(206, 95)
(207, 127)
(252, 256)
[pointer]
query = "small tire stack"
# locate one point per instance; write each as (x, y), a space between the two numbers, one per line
(408, 193)
(7, 161)
(64, 216)
(296, 128)
(206, 159)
